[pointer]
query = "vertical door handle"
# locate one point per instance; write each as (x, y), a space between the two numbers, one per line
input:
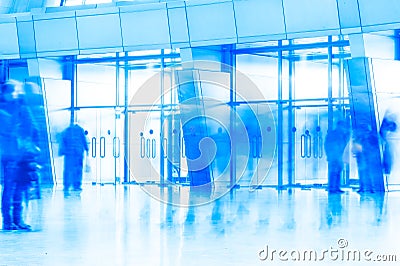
(308, 138)
(302, 145)
(102, 147)
(315, 146)
(94, 147)
(320, 146)
(254, 147)
(116, 147)
(142, 147)
(153, 148)
(148, 148)
(165, 149)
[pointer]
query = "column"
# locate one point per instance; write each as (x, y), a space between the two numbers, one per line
(363, 111)
(200, 148)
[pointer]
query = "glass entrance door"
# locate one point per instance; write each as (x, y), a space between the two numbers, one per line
(144, 149)
(311, 124)
(261, 140)
(104, 130)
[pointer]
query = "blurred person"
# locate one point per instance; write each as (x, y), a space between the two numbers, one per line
(335, 143)
(223, 150)
(18, 148)
(31, 161)
(388, 125)
(73, 148)
(364, 143)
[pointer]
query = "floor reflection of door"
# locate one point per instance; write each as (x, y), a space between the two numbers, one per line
(103, 134)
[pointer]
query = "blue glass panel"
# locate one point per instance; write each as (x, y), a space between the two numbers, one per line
(26, 38)
(56, 35)
(9, 41)
(258, 17)
(379, 11)
(145, 28)
(99, 31)
(178, 25)
(310, 16)
(211, 22)
(348, 13)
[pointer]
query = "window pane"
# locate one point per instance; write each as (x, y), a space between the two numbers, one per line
(96, 85)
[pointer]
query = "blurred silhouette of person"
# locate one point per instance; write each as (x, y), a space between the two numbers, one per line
(73, 147)
(223, 153)
(335, 143)
(18, 153)
(32, 163)
(364, 143)
(388, 125)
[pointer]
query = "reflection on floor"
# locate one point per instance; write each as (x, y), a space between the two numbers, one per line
(122, 225)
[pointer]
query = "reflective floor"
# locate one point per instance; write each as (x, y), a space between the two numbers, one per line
(122, 225)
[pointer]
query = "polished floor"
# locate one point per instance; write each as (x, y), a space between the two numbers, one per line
(124, 225)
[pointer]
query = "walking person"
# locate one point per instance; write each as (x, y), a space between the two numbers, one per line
(387, 127)
(73, 147)
(18, 149)
(335, 143)
(364, 143)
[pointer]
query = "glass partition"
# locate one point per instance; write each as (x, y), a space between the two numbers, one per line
(58, 99)
(312, 93)
(387, 87)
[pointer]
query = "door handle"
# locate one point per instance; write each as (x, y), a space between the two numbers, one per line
(254, 147)
(153, 148)
(116, 147)
(309, 147)
(102, 147)
(317, 146)
(302, 146)
(165, 149)
(148, 148)
(142, 147)
(94, 147)
(320, 146)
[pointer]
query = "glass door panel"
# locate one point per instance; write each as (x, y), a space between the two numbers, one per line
(58, 99)
(144, 148)
(104, 144)
(174, 148)
(154, 155)
(265, 147)
(311, 125)
(255, 147)
(385, 73)
(96, 85)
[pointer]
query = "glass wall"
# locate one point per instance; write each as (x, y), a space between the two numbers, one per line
(387, 90)
(262, 70)
(128, 105)
(312, 94)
